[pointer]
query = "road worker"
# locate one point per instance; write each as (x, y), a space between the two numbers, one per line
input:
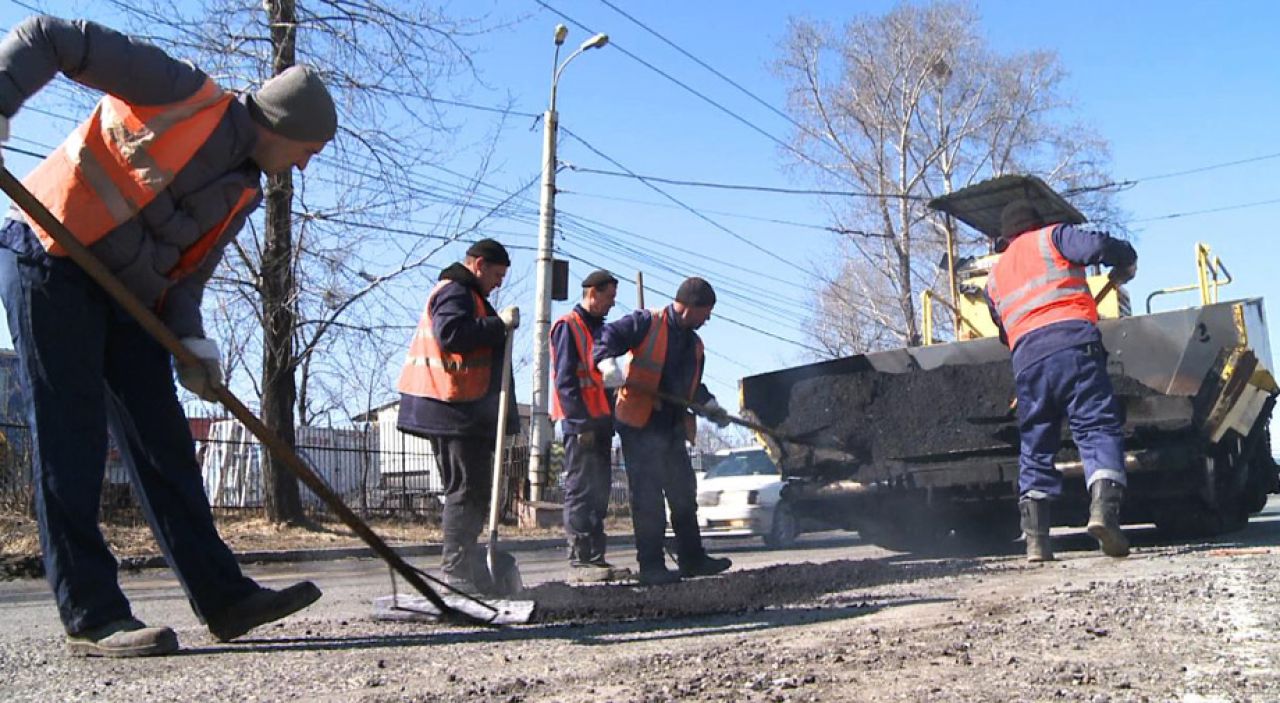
(449, 389)
(156, 183)
(585, 411)
(666, 356)
(1040, 301)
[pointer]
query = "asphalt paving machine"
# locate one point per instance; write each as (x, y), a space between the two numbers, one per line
(927, 438)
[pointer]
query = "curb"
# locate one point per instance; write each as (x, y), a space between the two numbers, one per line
(334, 554)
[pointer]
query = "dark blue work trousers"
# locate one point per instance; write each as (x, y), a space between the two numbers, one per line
(1070, 383)
(658, 467)
(466, 472)
(85, 365)
(588, 478)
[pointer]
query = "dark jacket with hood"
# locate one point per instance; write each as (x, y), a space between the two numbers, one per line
(141, 251)
(455, 325)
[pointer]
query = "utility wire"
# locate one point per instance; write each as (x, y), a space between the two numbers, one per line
(726, 318)
(718, 74)
(742, 186)
(768, 252)
(1206, 211)
(739, 118)
(740, 216)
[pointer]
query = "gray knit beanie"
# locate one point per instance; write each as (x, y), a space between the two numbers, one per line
(296, 105)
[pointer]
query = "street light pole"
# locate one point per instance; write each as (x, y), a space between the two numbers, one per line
(540, 422)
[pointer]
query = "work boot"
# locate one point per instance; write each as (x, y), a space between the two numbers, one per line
(123, 638)
(658, 575)
(1035, 525)
(591, 572)
(469, 572)
(1104, 517)
(597, 571)
(705, 565)
(261, 607)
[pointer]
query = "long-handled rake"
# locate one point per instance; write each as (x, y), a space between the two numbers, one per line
(446, 612)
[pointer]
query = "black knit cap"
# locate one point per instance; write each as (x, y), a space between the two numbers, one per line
(1017, 217)
(696, 292)
(490, 250)
(598, 279)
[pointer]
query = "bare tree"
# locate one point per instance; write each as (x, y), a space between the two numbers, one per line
(712, 439)
(323, 272)
(904, 107)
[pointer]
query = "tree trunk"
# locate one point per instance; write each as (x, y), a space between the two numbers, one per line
(279, 391)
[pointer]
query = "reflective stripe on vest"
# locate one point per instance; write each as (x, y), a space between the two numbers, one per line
(1042, 286)
(590, 382)
(636, 398)
(119, 160)
(431, 372)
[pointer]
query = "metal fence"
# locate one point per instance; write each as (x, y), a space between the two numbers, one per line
(375, 470)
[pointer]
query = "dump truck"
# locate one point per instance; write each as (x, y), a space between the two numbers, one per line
(917, 448)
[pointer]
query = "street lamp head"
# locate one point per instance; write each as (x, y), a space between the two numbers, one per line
(561, 32)
(595, 42)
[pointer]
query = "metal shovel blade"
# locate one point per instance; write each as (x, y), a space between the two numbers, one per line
(408, 607)
(504, 575)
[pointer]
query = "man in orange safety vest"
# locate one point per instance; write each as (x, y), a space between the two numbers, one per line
(156, 183)
(1041, 303)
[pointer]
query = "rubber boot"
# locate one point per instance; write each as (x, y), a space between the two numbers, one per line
(1104, 517)
(1035, 525)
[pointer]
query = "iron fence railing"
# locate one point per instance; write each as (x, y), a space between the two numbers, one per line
(378, 471)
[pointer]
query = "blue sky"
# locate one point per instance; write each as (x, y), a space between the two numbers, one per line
(1171, 85)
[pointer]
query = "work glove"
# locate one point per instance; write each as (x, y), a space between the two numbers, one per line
(586, 440)
(716, 414)
(614, 370)
(510, 316)
(1123, 274)
(204, 377)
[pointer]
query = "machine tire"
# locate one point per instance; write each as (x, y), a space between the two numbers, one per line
(1262, 476)
(784, 529)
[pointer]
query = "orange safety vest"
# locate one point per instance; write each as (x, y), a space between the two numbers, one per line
(120, 159)
(432, 372)
(1034, 285)
(590, 381)
(636, 399)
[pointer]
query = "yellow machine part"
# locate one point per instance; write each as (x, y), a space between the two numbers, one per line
(973, 306)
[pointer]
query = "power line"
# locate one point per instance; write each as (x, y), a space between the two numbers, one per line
(1206, 211)
(707, 66)
(739, 118)
(740, 216)
(739, 293)
(681, 203)
(742, 186)
(726, 318)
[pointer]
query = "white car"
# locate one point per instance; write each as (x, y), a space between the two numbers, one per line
(741, 494)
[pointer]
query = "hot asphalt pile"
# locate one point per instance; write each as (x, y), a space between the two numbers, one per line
(732, 592)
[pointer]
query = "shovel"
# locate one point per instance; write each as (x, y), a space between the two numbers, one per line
(503, 573)
(150, 322)
(818, 449)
